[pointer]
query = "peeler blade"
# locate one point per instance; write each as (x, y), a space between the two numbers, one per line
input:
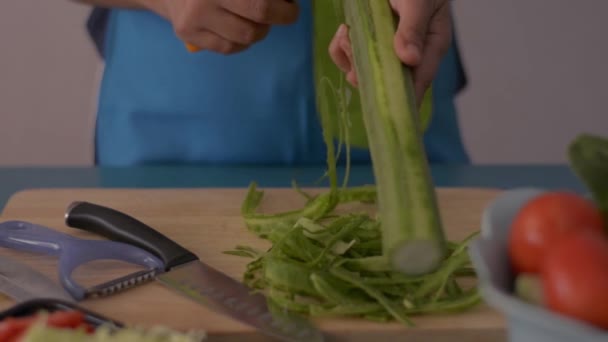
(120, 284)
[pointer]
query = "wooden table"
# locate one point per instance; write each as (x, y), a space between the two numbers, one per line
(207, 221)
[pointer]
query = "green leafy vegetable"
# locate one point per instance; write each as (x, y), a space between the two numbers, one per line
(324, 264)
(588, 156)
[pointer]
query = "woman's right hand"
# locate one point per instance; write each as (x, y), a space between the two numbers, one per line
(422, 39)
(223, 26)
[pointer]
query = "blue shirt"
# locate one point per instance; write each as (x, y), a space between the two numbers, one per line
(159, 103)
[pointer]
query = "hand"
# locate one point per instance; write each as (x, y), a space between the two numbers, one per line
(223, 26)
(423, 37)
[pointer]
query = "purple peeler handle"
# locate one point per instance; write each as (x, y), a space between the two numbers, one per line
(72, 252)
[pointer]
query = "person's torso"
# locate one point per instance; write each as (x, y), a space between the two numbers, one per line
(159, 103)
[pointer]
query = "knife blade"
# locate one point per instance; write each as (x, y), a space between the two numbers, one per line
(187, 275)
(22, 283)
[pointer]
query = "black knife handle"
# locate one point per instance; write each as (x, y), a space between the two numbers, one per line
(118, 226)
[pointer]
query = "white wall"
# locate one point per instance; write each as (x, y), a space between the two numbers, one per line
(537, 72)
(47, 71)
(539, 76)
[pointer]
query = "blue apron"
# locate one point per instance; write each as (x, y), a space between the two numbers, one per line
(159, 104)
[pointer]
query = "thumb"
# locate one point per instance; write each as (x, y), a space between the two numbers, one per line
(414, 18)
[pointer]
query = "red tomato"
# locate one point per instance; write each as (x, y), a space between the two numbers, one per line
(543, 221)
(575, 278)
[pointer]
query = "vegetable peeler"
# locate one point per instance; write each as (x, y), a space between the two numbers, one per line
(74, 252)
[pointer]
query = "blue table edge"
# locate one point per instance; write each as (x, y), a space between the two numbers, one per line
(15, 179)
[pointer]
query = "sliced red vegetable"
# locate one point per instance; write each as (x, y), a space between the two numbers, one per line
(545, 220)
(12, 329)
(575, 278)
(66, 319)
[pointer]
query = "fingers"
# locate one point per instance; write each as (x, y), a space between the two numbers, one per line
(422, 38)
(205, 26)
(414, 17)
(335, 50)
(271, 12)
(236, 29)
(340, 51)
(228, 26)
(437, 44)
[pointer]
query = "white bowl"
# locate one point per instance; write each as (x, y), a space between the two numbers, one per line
(526, 322)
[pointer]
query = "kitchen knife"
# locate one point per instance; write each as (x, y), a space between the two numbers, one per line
(22, 283)
(187, 275)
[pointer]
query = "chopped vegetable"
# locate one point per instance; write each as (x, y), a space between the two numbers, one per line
(42, 333)
(14, 328)
(325, 264)
(71, 326)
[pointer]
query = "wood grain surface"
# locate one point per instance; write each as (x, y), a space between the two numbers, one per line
(208, 222)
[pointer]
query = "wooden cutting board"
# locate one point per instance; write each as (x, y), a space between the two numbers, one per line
(208, 222)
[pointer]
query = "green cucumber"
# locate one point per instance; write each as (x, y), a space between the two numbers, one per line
(413, 236)
(529, 288)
